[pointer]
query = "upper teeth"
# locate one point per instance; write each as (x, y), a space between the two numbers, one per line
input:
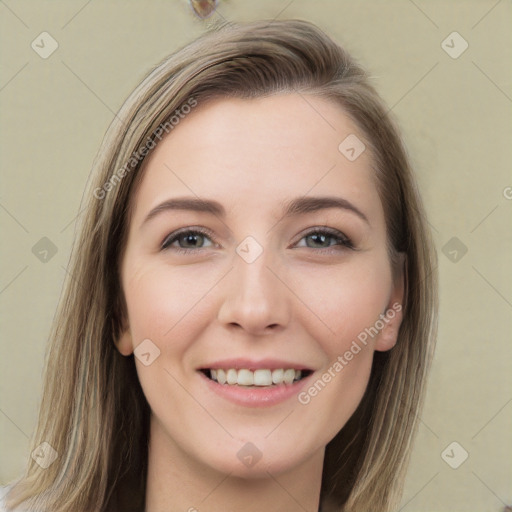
(255, 378)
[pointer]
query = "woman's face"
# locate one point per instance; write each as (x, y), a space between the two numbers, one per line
(278, 279)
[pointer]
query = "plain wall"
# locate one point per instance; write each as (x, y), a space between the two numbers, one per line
(455, 114)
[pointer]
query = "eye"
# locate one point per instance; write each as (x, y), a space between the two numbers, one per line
(321, 238)
(188, 240)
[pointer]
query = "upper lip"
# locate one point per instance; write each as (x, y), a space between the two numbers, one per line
(251, 364)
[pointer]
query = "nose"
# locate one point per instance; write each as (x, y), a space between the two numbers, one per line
(254, 297)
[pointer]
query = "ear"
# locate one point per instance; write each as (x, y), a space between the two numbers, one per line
(124, 342)
(121, 328)
(123, 337)
(393, 316)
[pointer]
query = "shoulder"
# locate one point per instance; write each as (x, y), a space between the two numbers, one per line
(3, 492)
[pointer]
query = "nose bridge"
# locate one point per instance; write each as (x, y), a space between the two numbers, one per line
(254, 298)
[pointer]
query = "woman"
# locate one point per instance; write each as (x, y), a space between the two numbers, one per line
(213, 348)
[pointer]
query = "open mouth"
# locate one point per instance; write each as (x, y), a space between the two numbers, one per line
(257, 378)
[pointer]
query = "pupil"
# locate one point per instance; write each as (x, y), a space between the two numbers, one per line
(319, 238)
(190, 239)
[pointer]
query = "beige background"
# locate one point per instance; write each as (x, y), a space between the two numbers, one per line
(456, 117)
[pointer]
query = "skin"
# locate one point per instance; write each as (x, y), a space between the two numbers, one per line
(302, 299)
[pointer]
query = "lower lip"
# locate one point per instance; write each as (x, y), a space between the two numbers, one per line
(254, 396)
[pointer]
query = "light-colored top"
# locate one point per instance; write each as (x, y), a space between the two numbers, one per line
(3, 491)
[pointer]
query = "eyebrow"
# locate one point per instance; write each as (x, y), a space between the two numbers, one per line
(298, 206)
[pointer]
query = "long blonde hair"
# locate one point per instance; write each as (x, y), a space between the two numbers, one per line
(93, 411)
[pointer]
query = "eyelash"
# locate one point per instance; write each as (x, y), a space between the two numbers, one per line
(334, 234)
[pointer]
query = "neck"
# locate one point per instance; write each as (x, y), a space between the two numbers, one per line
(177, 482)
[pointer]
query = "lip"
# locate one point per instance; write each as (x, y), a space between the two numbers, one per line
(250, 364)
(255, 396)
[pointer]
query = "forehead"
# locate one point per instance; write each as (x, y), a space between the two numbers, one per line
(254, 154)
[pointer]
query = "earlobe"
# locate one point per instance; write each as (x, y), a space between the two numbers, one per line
(393, 316)
(392, 319)
(121, 328)
(124, 343)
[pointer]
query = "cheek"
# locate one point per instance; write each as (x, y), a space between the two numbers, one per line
(345, 300)
(336, 392)
(169, 306)
(162, 301)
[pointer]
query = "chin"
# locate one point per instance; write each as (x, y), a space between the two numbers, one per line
(256, 460)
